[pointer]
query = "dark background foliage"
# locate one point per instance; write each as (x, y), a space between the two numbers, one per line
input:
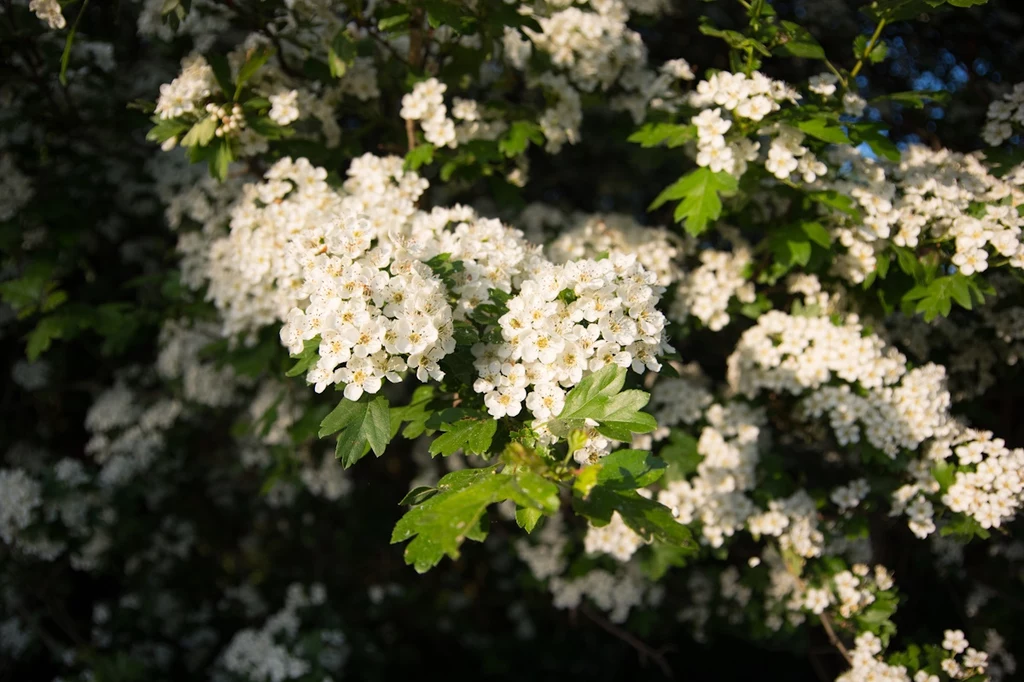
(115, 261)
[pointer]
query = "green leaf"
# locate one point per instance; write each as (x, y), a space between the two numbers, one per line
(681, 455)
(586, 479)
(415, 414)
(670, 134)
(649, 519)
(699, 191)
(221, 159)
(533, 491)
(909, 263)
(42, 336)
(965, 528)
(915, 99)
(420, 155)
(256, 104)
(341, 53)
(418, 495)
(307, 358)
(944, 474)
(394, 21)
(165, 129)
(201, 133)
(221, 72)
(960, 290)
(798, 42)
(628, 470)
(593, 391)
(518, 138)
(364, 425)
(838, 201)
(440, 524)
(472, 435)
(824, 130)
(791, 246)
(871, 134)
(597, 397)
(877, 53)
(663, 557)
(734, 39)
(448, 14)
(527, 518)
(816, 233)
(256, 58)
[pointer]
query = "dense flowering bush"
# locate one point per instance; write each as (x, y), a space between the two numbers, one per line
(247, 243)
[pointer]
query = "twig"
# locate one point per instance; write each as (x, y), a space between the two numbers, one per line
(867, 49)
(827, 622)
(645, 651)
(416, 55)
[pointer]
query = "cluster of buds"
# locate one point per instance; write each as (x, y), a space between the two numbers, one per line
(230, 122)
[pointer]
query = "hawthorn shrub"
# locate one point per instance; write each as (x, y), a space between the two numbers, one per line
(694, 326)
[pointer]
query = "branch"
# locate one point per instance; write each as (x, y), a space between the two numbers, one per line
(827, 622)
(646, 653)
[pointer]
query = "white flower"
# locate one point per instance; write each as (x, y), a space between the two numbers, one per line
(284, 107)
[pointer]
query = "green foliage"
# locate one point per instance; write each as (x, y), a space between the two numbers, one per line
(418, 156)
(936, 298)
(796, 41)
(669, 134)
(599, 397)
(518, 138)
(341, 53)
(875, 55)
(681, 455)
(307, 358)
(824, 129)
(254, 60)
(473, 435)
(700, 191)
(440, 523)
(364, 424)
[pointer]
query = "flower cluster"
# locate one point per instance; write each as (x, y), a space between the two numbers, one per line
(280, 651)
(284, 107)
(706, 291)
(747, 99)
(567, 320)
(254, 279)
(590, 235)
(376, 312)
(426, 104)
(929, 195)
(1003, 114)
(989, 482)
(184, 95)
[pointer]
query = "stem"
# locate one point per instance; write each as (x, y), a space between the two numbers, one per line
(416, 55)
(836, 72)
(645, 651)
(867, 48)
(826, 621)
